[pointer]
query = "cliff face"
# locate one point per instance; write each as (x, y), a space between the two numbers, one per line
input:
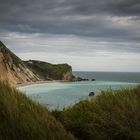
(12, 69)
(68, 76)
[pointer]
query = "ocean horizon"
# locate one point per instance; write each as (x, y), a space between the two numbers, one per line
(109, 76)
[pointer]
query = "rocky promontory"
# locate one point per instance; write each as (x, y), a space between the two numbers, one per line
(48, 71)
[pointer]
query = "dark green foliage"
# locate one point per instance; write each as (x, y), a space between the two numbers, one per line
(23, 119)
(109, 116)
(48, 71)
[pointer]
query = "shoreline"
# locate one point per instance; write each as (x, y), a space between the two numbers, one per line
(39, 82)
(54, 81)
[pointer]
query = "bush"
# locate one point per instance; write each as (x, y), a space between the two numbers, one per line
(113, 115)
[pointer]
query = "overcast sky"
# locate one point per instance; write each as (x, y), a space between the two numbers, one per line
(90, 35)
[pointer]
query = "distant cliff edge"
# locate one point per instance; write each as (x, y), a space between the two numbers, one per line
(47, 71)
(16, 71)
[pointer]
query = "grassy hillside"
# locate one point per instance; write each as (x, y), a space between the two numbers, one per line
(110, 116)
(49, 71)
(23, 119)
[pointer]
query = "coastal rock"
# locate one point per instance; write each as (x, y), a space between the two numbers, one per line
(68, 76)
(93, 79)
(91, 93)
(76, 79)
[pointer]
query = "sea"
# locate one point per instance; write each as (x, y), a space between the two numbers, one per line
(61, 95)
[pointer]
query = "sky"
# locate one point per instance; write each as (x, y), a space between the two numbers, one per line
(90, 35)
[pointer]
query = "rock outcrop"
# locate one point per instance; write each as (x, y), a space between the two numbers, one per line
(77, 79)
(91, 93)
(68, 76)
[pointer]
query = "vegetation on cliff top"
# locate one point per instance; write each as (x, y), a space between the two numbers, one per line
(23, 119)
(113, 115)
(48, 71)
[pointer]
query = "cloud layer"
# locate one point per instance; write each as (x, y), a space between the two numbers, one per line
(90, 29)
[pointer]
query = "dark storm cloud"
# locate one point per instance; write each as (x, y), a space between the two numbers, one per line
(103, 20)
(126, 7)
(79, 17)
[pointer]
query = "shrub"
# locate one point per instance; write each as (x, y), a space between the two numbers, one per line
(113, 115)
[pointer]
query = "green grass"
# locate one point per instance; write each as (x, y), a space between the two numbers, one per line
(109, 116)
(48, 71)
(23, 119)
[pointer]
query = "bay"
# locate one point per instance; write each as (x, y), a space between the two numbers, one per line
(59, 95)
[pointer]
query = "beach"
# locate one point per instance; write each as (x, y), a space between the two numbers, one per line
(39, 82)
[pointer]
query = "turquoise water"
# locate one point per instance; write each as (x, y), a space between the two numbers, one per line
(59, 95)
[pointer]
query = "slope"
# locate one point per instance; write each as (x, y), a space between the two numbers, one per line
(23, 119)
(13, 69)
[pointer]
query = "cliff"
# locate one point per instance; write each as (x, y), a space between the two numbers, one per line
(47, 71)
(12, 68)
